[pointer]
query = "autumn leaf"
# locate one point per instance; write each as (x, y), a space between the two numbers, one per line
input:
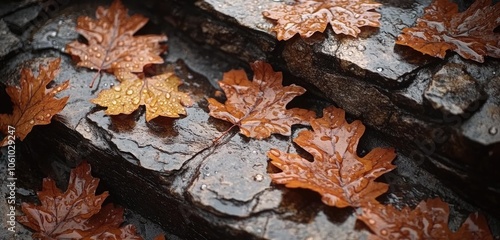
(469, 33)
(337, 173)
(76, 213)
(429, 220)
(258, 107)
(309, 16)
(33, 103)
(111, 41)
(158, 93)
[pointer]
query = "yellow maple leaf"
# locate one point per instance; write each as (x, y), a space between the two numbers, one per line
(159, 94)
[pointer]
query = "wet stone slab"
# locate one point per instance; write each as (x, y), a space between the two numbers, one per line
(8, 41)
(171, 171)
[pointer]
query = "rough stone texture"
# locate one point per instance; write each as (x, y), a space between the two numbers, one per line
(170, 171)
(19, 20)
(8, 41)
(452, 90)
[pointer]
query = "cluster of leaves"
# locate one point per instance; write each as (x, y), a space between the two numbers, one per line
(257, 107)
(337, 173)
(441, 28)
(76, 213)
(113, 47)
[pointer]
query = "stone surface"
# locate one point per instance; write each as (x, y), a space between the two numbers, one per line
(19, 20)
(170, 171)
(452, 90)
(8, 41)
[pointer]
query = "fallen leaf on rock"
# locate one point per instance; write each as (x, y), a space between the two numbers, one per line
(33, 103)
(76, 213)
(469, 33)
(159, 94)
(337, 172)
(429, 220)
(111, 41)
(258, 107)
(309, 16)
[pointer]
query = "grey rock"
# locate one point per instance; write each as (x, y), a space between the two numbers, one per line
(8, 41)
(483, 126)
(452, 90)
(10, 6)
(19, 20)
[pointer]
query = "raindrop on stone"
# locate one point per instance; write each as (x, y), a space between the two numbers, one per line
(87, 129)
(53, 33)
(493, 130)
(258, 177)
(361, 48)
(379, 69)
(203, 187)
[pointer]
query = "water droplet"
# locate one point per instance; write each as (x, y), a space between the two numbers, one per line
(356, 15)
(275, 152)
(135, 101)
(113, 102)
(53, 33)
(349, 53)
(141, 59)
(190, 76)
(128, 58)
(98, 55)
(379, 69)
(383, 232)
(129, 92)
(371, 221)
(32, 121)
(120, 43)
(105, 84)
(167, 95)
(87, 129)
(203, 187)
(60, 22)
(47, 115)
(117, 88)
(493, 130)
(361, 48)
(58, 89)
(258, 177)
(207, 174)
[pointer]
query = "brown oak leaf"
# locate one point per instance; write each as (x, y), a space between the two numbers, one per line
(33, 103)
(159, 94)
(469, 33)
(76, 213)
(429, 220)
(306, 17)
(111, 41)
(337, 172)
(258, 107)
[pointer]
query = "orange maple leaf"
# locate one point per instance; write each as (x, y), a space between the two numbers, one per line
(111, 41)
(33, 103)
(429, 220)
(337, 173)
(258, 107)
(309, 16)
(470, 33)
(158, 93)
(76, 213)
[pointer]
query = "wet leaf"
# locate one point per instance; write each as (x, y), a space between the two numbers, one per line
(258, 107)
(33, 103)
(76, 213)
(429, 220)
(111, 41)
(306, 17)
(159, 94)
(469, 33)
(337, 172)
